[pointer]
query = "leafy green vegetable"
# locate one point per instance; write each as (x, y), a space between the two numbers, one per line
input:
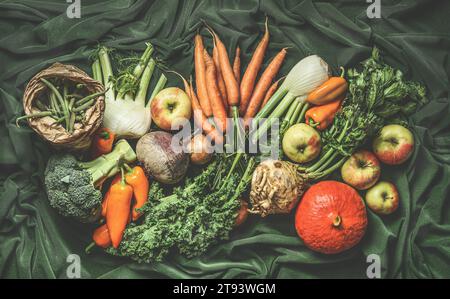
(378, 94)
(194, 217)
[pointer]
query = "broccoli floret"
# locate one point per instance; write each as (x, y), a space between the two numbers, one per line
(72, 185)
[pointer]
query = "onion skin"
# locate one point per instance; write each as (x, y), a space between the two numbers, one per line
(200, 149)
(276, 188)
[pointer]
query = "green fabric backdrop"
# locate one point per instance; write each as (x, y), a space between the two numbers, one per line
(412, 35)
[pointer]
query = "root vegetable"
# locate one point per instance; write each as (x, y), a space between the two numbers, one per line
(160, 159)
(200, 149)
(242, 213)
(276, 188)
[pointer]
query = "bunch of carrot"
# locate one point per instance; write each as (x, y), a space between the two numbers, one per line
(131, 182)
(221, 93)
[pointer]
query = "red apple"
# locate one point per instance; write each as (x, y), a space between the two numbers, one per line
(383, 198)
(394, 144)
(362, 170)
(171, 108)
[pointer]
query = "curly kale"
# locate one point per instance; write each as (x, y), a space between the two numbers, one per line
(190, 220)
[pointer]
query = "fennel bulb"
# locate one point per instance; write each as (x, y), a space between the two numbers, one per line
(308, 74)
(126, 111)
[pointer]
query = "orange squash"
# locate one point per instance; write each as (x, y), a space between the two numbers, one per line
(331, 217)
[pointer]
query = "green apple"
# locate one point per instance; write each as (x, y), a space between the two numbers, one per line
(362, 170)
(171, 108)
(383, 198)
(394, 144)
(301, 143)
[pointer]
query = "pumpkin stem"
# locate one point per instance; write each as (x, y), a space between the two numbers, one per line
(337, 221)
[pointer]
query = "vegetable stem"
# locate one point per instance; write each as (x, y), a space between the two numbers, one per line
(277, 113)
(319, 175)
(302, 113)
(271, 104)
(88, 248)
(106, 70)
(145, 81)
(140, 67)
(97, 71)
(159, 86)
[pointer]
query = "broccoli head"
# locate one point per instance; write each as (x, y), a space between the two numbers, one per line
(72, 186)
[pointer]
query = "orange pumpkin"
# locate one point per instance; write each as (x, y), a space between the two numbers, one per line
(331, 217)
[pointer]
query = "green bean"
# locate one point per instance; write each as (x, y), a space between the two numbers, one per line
(71, 123)
(89, 98)
(71, 102)
(54, 103)
(75, 95)
(40, 106)
(84, 106)
(33, 115)
(59, 97)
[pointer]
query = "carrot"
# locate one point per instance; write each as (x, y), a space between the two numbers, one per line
(118, 210)
(242, 213)
(100, 237)
(270, 92)
(199, 117)
(107, 195)
(220, 81)
(219, 112)
(249, 78)
(102, 142)
(227, 71)
(263, 84)
(237, 65)
(200, 76)
(201, 120)
(136, 178)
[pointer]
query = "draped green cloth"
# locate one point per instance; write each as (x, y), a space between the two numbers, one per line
(413, 35)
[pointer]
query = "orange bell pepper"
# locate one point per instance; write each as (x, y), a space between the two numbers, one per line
(320, 117)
